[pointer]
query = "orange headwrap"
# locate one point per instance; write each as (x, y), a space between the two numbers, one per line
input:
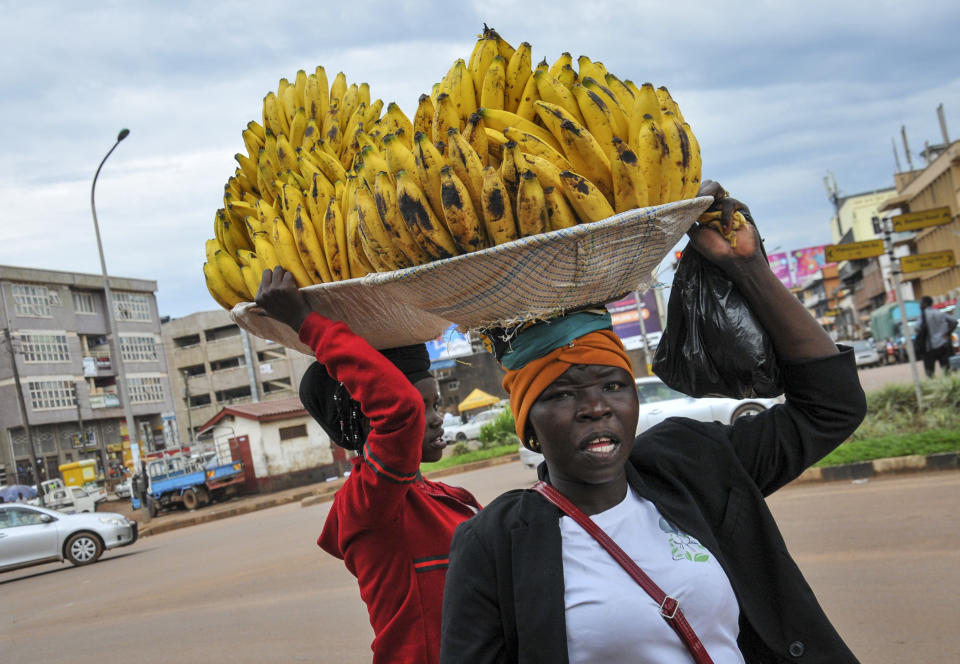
(524, 385)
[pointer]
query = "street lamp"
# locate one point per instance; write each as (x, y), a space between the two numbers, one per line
(115, 339)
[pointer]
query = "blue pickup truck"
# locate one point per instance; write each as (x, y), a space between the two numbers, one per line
(190, 482)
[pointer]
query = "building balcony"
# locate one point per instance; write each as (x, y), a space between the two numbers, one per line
(97, 365)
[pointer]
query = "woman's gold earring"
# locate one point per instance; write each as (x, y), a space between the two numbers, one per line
(533, 444)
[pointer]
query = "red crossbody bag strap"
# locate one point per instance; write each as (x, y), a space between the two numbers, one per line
(669, 607)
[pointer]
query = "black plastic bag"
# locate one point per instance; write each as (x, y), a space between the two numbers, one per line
(713, 344)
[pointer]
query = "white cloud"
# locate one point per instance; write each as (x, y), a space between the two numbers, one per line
(778, 95)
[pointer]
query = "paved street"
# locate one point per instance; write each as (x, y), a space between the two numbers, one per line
(883, 556)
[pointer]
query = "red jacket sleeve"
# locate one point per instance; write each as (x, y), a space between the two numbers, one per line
(394, 407)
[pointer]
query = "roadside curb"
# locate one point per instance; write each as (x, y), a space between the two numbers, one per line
(891, 465)
(306, 496)
(323, 493)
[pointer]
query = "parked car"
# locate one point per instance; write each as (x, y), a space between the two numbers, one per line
(865, 352)
(658, 402)
(31, 535)
(471, 429)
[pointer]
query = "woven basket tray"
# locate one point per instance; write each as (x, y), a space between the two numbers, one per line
(530, 278)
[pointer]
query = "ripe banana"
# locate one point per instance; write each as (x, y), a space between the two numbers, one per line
(596, 113)
(530, 95)
(585, 199)
(220, 291)
(385, 196)
(580, 147)
(629, 187)
(398, 156)
(286, 247)
(652, 152)
(476, 135)
(494, 87)
(466, 164)
(229, 269)
(518, 71)
(532, 145)
(459, 212)
(309, 247)
(334, 241)
(378, 240)
(531, 206)
(460, 86)
(559, 213)
(691, 176)
(554, 92)
(423, 117)
(499, 120)
(678, 157)
(429, 162)
(497, 209)
(427, 229)
(483, 55)
(621, 122)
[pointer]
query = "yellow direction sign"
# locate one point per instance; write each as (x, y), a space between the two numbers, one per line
(833, 312)
(922, 219)
(935, 260)
(853, 250)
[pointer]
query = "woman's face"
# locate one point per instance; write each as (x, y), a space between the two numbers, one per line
(433, 443)
(585, 422)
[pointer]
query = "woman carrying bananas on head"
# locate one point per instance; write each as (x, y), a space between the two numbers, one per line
(389, 525)
(532, 579)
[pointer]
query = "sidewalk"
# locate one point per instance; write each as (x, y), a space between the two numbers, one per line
(322, 492)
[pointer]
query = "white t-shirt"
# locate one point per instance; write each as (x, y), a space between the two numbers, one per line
(611, 619)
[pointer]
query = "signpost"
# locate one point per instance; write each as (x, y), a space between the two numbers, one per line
(935, 260)
(924, 218)
(854, 250)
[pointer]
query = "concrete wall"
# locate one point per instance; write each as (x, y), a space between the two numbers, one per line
(279, 463)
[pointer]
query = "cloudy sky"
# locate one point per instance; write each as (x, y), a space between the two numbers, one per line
(778, 94)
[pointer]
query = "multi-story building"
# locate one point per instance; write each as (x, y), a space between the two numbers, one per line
(213, 364)
(935, 186)
(60, 340)
(820, 295)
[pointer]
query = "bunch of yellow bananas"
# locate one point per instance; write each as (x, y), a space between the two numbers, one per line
(331, 190)
(291, 201)
(569, 145)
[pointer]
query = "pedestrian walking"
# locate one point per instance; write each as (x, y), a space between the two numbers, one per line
(933, 337)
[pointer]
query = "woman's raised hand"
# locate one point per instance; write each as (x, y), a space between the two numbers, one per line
(716, 247)
(279, 297)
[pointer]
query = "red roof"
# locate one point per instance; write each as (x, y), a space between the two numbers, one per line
(262, 411)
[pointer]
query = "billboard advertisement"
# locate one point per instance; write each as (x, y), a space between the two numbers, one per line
(449, 345)
(808, 262)
(626, 318)
(780, 264)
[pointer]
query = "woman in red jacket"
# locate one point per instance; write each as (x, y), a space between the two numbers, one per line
(390, 526)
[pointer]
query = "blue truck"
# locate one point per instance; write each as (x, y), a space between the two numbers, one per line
(180, 479)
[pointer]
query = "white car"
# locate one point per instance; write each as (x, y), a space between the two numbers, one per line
(471, 430)
(658, 402)
(32, 535)
(865, 352)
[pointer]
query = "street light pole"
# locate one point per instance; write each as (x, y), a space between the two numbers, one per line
(115, 339)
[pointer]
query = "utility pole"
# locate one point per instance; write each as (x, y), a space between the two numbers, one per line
(907, 328)
(23, 412)
(643, 331)
(186, 399)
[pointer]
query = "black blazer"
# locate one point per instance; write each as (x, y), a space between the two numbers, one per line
(504, 589)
